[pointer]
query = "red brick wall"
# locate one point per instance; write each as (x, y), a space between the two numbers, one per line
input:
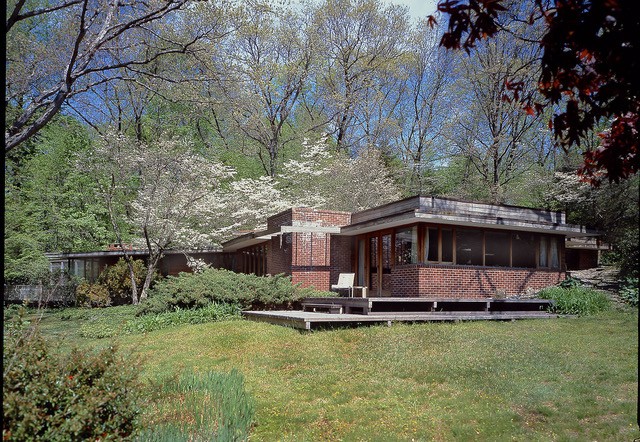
(279, 255)
(281, 219)
(440, 281)
(341, 259)
(318, 258)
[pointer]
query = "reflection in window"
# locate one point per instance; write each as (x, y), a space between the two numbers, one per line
(543, 251)
(373, 254)
(523, 250)
(407, 246)
(496, 251)
(447, 245)
(549, 256)
(386, 253)
(553, 253)
(432, 244)
(469, 247)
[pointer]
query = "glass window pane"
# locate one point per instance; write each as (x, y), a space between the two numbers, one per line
(373, 253)
(361, 259)
(496, 249)
(543, 252)
(554, 255)
(523, 250)
(406, 246)
(386, 253)
(469, 247)
(447, 245)
(432, 244)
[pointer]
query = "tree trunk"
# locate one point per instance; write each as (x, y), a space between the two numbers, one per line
(151, 268)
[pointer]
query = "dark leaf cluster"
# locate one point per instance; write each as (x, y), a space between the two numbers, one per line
(81, 396)
(589, 68)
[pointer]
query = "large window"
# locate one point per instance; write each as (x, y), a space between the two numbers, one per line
(469, 247)
(496, 249)
(548, 255)
(407, 246)
(431, 247)
(439, 245)
(523, 249)
(447, 245)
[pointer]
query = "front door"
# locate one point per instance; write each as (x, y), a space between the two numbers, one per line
(379, 264)
(385, 261)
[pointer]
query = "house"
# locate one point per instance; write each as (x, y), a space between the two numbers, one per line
(418, 247)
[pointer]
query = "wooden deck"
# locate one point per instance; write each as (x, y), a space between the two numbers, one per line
(323, 312)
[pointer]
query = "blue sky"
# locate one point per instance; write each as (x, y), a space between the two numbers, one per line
(417, 8)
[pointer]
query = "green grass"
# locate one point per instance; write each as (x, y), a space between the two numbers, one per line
(564, 379)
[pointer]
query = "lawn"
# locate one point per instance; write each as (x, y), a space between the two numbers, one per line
(564, 379)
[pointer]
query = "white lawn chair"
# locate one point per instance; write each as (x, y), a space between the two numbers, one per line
(345, 281)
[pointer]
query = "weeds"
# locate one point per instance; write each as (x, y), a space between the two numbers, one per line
(207, 407)
(576, 300)
(102, 323)
(629, 291)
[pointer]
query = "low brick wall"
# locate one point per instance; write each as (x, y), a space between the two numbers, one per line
(438, 281)
(317, 277)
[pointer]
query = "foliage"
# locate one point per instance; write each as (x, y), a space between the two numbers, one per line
(214, 407)
(590, 56)
(113, 321)
(211, 313)
(49, 205)
(629, 291)
(188, 291)
(80, 396)
(116, 279)
(170, 193)
(24, 261)
(569, 283)
(57, 52)
(92, 295)
(612, 208)
(576, 300)
(324, 178)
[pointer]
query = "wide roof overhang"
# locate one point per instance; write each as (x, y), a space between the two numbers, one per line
(488, 222)
(119, 253)
(255, 238)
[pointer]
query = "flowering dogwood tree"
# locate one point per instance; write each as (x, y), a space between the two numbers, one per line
(167, 194)
(324, 178)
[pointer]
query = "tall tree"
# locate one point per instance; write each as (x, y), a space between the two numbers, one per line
(498, 137)
(356, 39)
(169, 192)
(48, 203)
(260, 77)
(425, 99)
(60, 50)
(590, 57)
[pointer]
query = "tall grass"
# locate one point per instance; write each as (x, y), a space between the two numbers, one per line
(116, 321)
(576, 300)
(201, 407)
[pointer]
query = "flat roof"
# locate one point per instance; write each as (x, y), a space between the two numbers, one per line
(116, 253)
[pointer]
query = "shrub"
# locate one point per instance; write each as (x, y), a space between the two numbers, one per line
(92, 295)
(576, 300)
(117, 279)
(569, 282)
(81, 396)
(212, 406)
(629, 291)
(190, 290)
(211, 313)
(115, 321)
